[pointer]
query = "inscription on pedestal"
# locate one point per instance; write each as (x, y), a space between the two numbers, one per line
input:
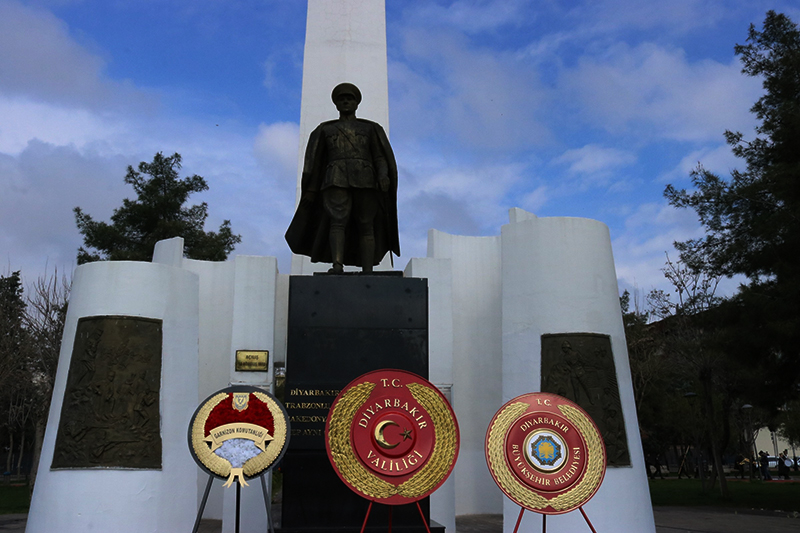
(580, 367)
(341, 327)
(308, 411)
(110, 414)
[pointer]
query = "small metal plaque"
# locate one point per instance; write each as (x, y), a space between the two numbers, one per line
(252, 360)
(580, 367)
(110, 413)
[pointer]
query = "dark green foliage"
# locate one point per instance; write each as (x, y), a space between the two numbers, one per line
(12, 305)
(752, 219)
(157, 213)
(752, 222)
(789, 420)
(12, 333)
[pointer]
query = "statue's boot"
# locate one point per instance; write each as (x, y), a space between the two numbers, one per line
(337, 249)
(367, 246)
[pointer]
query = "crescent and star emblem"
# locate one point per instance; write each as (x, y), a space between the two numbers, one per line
(381, 439)
(391, 436)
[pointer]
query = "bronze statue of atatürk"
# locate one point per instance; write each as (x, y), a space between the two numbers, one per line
(348, 206)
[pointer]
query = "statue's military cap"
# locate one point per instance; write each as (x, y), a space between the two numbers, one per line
(346, 88)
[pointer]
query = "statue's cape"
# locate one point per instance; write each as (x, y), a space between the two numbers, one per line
(308, 234)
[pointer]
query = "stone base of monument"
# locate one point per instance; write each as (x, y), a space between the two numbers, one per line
(341, 327)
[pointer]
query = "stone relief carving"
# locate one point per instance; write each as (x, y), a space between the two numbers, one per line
(110, 414)
(580, 367)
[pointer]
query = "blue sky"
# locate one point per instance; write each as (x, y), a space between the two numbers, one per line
(564, 108)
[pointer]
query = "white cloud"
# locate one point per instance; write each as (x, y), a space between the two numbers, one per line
(648, 234)
(473, 16)
(276, 147)
(461, 95)
(608, 16)
(278, 62)
(649, 87)
(463, 200)
(68, 133)
(477, 186)
(24, 120)
(40, 60)
(594, 160)
(719, 160)
(45, 181)
(595, 25)
(40, 187)
(535, 199)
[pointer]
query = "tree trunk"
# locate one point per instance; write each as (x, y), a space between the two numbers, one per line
(713, 480)
(716, 456)
(10, 450)
(701, 468)
(723, 483)
(21, 452)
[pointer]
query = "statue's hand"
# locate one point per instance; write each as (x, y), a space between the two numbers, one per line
(383, 182)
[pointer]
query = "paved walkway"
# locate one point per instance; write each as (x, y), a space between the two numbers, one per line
(668, 520)
(13, 522)
(710, 520)
(671, 520)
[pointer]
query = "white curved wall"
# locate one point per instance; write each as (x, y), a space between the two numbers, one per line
(476, 359)
(128, 500)
(559, 277)
(243, 306)
(539, 276)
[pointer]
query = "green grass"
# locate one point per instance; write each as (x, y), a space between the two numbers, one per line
(14, 499)
(743, 494)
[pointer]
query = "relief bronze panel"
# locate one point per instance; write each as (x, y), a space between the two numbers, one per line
(580, 367)
(110, 414)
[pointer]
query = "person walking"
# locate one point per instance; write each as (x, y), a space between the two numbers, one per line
(783, 464)
(764, 460)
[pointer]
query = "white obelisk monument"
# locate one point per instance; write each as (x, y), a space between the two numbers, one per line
(345, 42)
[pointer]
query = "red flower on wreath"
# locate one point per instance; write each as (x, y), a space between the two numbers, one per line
(256, 413)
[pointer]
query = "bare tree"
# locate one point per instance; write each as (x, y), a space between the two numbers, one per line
(44, 321)
(645, 354)
(691, 348)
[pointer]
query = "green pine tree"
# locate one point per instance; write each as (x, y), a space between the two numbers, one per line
(157, 213)
(752, 220)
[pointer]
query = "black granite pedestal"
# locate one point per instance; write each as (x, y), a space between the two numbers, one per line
(341, 327)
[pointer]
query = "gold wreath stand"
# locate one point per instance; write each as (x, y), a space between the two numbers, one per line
(369, 509)
(216, 465)
(503, 420)
(344, 458)
(264, 490)
(544, 519)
